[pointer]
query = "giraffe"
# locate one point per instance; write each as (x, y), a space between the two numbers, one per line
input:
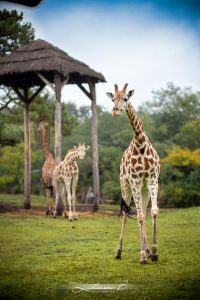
(47, 169)
(139, 164)
(65, 175)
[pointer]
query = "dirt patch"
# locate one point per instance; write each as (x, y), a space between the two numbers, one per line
(82, 210)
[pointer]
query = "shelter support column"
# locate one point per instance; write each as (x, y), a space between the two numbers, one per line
(27, 161)
(58, 129)
(95, 156)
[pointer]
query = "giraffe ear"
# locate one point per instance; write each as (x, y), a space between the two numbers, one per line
(110, 95)
(130, 93)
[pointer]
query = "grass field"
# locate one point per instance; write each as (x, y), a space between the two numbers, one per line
(41, 256)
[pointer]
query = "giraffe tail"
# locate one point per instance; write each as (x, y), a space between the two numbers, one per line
(127, 209)
(49, 187)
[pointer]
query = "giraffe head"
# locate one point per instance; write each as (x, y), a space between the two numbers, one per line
(81, 150)
(120, 99)
(42, 125)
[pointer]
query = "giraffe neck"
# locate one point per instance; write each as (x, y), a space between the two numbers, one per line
(138, 131)
(71, 156)
(45, 142)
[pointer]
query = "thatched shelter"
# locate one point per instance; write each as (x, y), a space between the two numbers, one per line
(37, 64)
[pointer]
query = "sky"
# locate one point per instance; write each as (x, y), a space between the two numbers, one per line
(145, 43)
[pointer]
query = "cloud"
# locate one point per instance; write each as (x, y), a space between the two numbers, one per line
(134, 44)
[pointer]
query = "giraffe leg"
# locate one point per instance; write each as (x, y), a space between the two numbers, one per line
(63, 196)
(146, 245)
(136, 187)
(74, 185)
(48, 206)
(119, 249)
(69, 198)
(153, 191)
(126, 195)
(56, 187)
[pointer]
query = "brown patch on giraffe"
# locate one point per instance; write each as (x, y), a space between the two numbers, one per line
(141, 174)
(142, 150)
(142, 140)
(148, 152)
(152, 152)
(146, 163)
(133, 161)
(124, 170)
(139, 160)
(139, 168)
(135, 151)
(128, 156)
(151, 161)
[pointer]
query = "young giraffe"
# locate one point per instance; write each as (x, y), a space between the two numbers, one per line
(139, 163)
(66, 174)
(47, 169)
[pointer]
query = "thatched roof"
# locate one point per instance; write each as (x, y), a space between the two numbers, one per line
(19, 67)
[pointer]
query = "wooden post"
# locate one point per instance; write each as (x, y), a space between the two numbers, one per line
(58, 129)
(95, 156)
(27, 147)
(27, 161)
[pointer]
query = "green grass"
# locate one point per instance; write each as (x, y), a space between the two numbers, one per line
(16, 201)
(40, 256)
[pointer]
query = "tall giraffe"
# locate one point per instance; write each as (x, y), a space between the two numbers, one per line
(66, 175)
(47, 169)
(139, 164)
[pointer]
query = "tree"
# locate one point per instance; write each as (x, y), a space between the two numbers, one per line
(189, 135)
(14, 33)
(171, 109)
(180, 175)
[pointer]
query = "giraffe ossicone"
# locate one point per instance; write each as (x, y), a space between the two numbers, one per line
(65, 179)
(139, 164)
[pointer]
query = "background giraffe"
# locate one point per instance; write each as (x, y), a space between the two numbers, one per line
(65, 176)
(47, 169)
(139, 164)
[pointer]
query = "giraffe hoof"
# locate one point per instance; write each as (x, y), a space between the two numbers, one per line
(70, 220)
(118, 256)
(75, 219)
(143, 262)
(154, 257)
(54, 216)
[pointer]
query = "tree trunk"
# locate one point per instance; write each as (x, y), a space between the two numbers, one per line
(95, 156)
(27, 166)
(58, 130)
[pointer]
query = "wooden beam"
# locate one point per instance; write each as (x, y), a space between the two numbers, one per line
(46, 81)
(83, 89)
(19, 94)
(36, 93)
(95, 156)
(58, 120)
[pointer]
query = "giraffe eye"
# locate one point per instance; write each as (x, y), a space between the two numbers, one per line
(125, 98)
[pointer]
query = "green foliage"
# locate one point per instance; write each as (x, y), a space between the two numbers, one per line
(40, 256)
(171, 109)
(11, 168)
(188, 135)
(180, 175)
(14, 32)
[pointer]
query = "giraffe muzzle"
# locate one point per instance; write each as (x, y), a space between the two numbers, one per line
(115, 113)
